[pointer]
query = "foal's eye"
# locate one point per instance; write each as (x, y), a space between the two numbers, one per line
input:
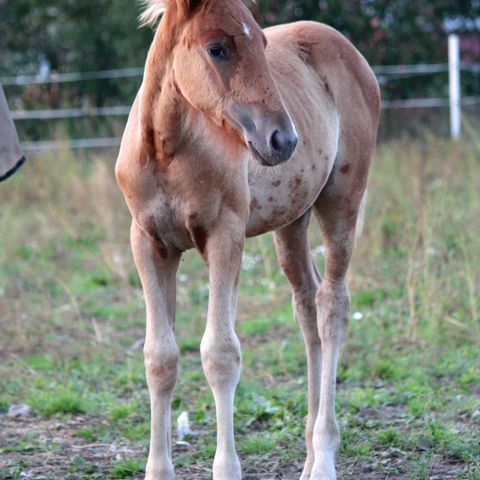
(218, 52)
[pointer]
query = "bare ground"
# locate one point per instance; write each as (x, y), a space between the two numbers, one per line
(59, 454)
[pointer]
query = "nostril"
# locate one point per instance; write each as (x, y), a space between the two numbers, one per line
(277, 142)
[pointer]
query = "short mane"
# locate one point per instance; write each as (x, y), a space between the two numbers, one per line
(154, 9)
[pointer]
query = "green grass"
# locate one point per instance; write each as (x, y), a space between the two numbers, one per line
(51, 402)
(126, 468)
(71, 308)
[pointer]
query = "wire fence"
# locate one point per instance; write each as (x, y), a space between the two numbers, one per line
(70, 113)
(24, 80)
(79, 143)
(384, 74)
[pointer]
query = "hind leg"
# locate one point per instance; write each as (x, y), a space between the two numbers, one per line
(294, 255)
(338, 224)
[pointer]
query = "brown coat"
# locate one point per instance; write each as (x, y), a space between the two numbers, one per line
(11, 156)
(203, 163)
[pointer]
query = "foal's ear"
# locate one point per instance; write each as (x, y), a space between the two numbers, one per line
(187, 7)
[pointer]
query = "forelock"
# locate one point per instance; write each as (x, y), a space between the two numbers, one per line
(153, 10)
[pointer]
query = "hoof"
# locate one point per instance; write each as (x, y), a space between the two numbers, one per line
(227, 470)
(160, 475)
(164, 473)
(323, 471)
(307, 469)
(322, 476)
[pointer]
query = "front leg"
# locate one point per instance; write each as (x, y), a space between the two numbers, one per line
(157, 270)
(220, 347)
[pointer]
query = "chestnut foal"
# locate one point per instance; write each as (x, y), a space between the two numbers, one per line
(202, 164)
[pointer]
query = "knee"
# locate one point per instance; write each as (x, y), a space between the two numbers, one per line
(221, 358)
(161, 363)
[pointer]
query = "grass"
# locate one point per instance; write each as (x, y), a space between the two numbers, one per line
(72, 313)
(126, 468)
(49, 402)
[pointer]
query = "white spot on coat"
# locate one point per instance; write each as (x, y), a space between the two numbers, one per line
(246, 29)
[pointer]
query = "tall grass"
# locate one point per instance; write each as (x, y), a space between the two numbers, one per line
(72, 320)
(61, 217)
(422, 237)
(416, 261)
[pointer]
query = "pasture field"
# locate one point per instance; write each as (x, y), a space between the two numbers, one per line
(72, 320)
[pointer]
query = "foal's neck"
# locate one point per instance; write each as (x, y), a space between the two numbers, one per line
(169, 124)
(160, 105)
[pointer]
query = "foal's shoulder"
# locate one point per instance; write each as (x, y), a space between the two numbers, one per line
(132, 153)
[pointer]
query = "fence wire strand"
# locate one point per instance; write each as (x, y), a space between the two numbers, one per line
(385, 73)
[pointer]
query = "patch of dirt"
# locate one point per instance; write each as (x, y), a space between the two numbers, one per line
(47, 448)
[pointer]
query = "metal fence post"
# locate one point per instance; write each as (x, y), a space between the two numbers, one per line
(454, 85)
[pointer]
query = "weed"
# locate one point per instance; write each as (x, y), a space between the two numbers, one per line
(126, 468)
(63, 401)
(257, 444)
(390, 437)
(86, 433)
(119, 412)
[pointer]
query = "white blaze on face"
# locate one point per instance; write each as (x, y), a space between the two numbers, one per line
(246, 29)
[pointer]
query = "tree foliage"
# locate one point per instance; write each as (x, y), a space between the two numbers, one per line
(391, 32)
(385, 31)
(73, 36)
(86, 35)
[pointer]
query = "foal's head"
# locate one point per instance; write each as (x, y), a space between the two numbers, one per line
(220, 68)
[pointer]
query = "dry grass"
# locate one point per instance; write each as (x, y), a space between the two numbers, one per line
(71, 306)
